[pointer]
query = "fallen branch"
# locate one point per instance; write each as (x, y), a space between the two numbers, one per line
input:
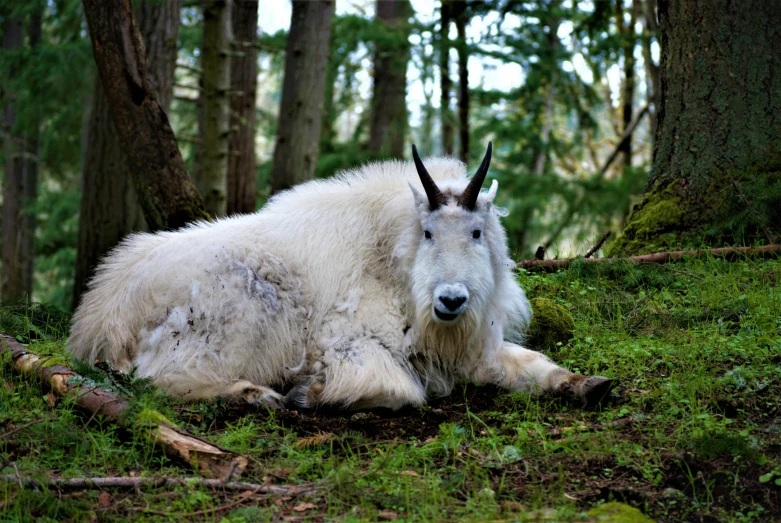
(209, 459)
(765, 251)
(138, 482)
(596, 247)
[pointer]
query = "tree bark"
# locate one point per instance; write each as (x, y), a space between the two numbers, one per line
(628, 41)
(716, 177)
(167, 195)
(242, 180)
(109, 203)
(301, 108)
(445, 84)
(462, 19)
(651, 30)
(391, 55)
(217, 40)
(14, 280)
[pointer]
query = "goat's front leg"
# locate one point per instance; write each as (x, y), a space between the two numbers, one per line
(359, 374)
(515, 368)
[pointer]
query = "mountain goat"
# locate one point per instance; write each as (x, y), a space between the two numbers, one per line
(342, 292)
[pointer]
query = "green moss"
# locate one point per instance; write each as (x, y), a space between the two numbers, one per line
(615, 512)
(151, 418)
(551, 324)
(651, 225)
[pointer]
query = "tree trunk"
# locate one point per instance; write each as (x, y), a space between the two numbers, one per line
(242, 180)
(391, 54)
(13, 281)
(300, 113)
(31, 168)
(651, 30)
(446, 115)
(109, 203)
(217, 39)
(462, 19)
(628, 40)
(716, 177)
(167, 195)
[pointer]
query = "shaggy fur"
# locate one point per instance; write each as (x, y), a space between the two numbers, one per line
(331, 289)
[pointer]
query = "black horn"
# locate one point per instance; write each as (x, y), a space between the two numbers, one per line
(435, 196)
(469, 196)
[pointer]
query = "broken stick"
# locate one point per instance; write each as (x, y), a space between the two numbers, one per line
(209, 459)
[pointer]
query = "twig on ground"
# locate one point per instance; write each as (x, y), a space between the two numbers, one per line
(244, 496)
(20, 427)
(138, 482)
(765, 251)
(598, 245)
(209, 459)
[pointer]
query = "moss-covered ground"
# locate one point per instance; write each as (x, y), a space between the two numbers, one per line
(693, 434)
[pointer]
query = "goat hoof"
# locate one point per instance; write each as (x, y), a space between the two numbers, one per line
(596, 388)
(263, 396)
(297, 397)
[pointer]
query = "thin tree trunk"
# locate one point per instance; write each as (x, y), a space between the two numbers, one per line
(167, 195)
(301, 108)
(31, 169)
(628, 40)
(651, 30)
(716, 177)
(462, 19)
(391, 54)
(242, 180)
(13, 278)
(109, 204)
(217, 39)
(445, 84)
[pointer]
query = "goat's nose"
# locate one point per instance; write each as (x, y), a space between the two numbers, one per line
(452, 304)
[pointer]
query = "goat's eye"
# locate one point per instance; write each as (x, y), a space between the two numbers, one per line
(476, 234)
(427, 234)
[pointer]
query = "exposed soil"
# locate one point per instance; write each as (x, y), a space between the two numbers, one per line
(685, 476)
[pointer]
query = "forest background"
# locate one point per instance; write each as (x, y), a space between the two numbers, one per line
(554, 84)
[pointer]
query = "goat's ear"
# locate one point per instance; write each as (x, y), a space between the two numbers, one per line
(420, 198)
(491, 195)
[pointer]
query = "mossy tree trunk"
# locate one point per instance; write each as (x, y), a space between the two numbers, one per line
(716, 176)
(391, 54)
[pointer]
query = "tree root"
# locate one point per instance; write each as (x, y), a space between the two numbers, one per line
(208, 459)
(765, 251)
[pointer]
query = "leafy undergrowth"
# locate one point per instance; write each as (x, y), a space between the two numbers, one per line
(694, 433)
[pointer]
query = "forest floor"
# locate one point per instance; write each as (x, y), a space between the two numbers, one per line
(692, 434)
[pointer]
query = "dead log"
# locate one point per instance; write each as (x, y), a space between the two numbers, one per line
(765, 251)
(208, 459)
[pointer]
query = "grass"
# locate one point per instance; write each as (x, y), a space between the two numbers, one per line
(696, 345)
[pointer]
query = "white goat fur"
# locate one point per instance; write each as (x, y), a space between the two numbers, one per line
(327, 288)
